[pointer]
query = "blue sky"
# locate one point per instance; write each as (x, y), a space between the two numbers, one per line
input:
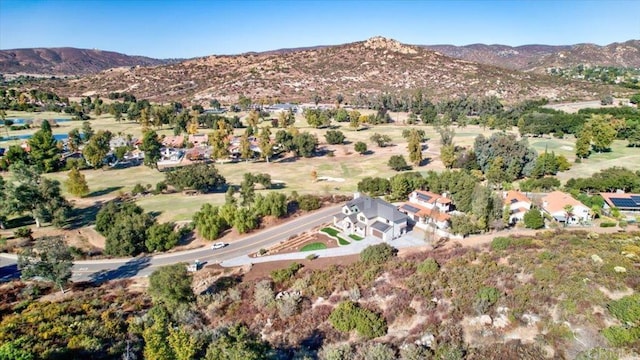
(189, 28)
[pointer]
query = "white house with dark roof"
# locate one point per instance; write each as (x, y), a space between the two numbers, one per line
(428, 208)
(366, 216)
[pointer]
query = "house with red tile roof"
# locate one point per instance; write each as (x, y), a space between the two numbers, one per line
(428, 208)
(518, 204)
(565, 209)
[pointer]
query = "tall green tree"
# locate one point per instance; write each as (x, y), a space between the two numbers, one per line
(124, 226)
(75, 139)
(76, 183)
(602, 131)
(171, 285)
(266, 148)
(415, 147)
(49, 259)
(151, 146)
(87, 131)
(39, 196)
(155, 335)
(448, 155)
(183, 344)
(97, 149)
(583, 144)
(44, 149)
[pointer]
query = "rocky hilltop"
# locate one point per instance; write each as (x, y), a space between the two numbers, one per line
(355, 69)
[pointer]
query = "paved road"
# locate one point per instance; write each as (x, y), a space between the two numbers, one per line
(109, 269)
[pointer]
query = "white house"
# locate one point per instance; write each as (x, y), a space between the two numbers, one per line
(365, 216)
(518, 205)
(425, 208)
(565, 209)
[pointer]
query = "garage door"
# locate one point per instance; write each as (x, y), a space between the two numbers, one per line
(377, 233)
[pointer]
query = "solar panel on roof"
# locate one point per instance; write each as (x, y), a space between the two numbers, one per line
(424, 197)
(514, 201)
(408, 207)
(636, 199)
(623, 202)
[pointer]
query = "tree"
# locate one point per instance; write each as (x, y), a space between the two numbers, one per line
(583, 144)
(415, 147)
(209, 223)
(76, 183)
(245, 148)
(495, 174)
(235, 343)
(533, 219)
(184, 345)
(87, 131)
(398, 163)
(305, 144)
(39, 196)
(334, 137)
(155, 336)
(151, 146)
(201, 177)
(97, 149)
(602, 131)
(266, 148)
(124, 226)
(360, 147)
(44, 149)
(448, 155)
(161, 237)
(171, 285)
(75, 139)
(273, 204)
(381, 140)
(48, 259)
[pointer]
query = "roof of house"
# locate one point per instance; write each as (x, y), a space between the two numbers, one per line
(429, 197)
(424, 212)
(624, 201)
(557, 200)
(374, 207)
(380, 226)
(170, 140)
(512, 197)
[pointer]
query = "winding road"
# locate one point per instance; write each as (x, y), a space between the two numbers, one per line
(110, 269)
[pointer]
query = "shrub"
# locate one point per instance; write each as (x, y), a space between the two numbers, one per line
(375, 351)
(137, 189)
(23, 232)
(282, 275)
(309, 202)
(533, 219)
(348, 316)
(429, 266)
(606, 224)
(500, 243)
(627, 309)
(263, 295)
(377, 254)
(621, 336)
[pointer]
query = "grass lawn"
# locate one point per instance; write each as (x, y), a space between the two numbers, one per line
(334, 234)
(330, 231)
(355, 237)
(314, 246)
(346, 167)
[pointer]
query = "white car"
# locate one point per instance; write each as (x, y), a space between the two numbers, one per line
(218, 245)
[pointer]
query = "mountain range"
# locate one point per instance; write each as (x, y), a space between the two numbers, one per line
(67, 61)
(353, 70)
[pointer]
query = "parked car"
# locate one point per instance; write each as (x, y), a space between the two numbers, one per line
(218, 245)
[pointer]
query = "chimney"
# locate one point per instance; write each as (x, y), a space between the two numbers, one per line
(356, 195)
